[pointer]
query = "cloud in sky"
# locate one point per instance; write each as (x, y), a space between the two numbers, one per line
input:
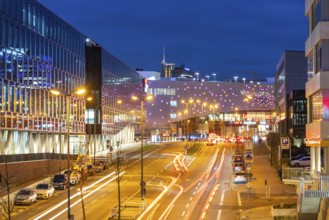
(227, 37)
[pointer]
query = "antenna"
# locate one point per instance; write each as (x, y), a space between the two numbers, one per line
(163, 54)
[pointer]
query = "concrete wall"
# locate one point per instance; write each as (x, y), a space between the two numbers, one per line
(22, 174)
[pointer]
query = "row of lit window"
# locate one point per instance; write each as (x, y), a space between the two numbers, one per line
(38, 18)
(162, 91)
(40, 123)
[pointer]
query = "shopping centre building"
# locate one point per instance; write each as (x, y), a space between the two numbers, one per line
(203, 107)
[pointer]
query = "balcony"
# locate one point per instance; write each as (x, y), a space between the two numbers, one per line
(309, 196)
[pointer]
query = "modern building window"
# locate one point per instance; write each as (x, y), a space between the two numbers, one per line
(90, 116)
(316, 105)
(318, 58)
(173, 103)
(164, 91)
(310, 70)
(173, 116)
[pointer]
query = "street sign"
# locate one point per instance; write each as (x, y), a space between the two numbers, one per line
(285, 143)
(248, 156)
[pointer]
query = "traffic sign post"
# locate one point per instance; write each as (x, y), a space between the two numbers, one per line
(285, 143)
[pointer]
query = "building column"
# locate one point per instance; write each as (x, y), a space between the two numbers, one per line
(325, 160)
(318, 159)
(312, 156)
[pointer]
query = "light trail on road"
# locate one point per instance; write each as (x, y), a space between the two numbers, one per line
(86, 196)
(75, 195)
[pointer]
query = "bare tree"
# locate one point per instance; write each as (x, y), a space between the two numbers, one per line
(81, 193)
(121, 165)
(79, 175)
(8, 178)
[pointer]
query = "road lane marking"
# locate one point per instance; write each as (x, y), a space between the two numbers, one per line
(221, 203)
(239, 199)
(83, 189)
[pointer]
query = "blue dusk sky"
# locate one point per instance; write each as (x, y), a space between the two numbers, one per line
(226, 37)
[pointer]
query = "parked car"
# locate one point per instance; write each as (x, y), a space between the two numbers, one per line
(238, 167)
(44, 190)
(91, 169)
(98, 166)
(75, 177)
(106, 165)
(238, 154)
(237, 159)
(60, 181)
(240, 177)
(303, 161)
(25, 196)
(299, 156)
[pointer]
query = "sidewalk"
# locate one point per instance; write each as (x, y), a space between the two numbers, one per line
(266, 189)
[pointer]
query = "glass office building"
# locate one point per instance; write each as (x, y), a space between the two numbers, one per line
(39, 52)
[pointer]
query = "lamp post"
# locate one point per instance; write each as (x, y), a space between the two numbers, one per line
(142, 183)
(197, 76)
(68, 121)
(95, 128)
(214, 75)
(185, 112)
(213, 107)
(202, 117)
(179, 123)
(207, 76)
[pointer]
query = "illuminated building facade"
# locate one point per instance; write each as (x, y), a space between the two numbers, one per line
(317, 86)
(39, 51)
(218, 107)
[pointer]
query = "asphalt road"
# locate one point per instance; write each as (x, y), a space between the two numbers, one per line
(177, 187)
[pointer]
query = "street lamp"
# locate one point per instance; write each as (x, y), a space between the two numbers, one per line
(214, 75)
(79, 91)
(95, 128)
(186, 112)
(179, 125)
(142, 100)
(213, 107)
(207, 76)
(236, 78)
(197, 76)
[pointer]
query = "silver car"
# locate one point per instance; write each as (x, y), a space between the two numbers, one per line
(303, 161)
(240, 177)
(25, 196)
